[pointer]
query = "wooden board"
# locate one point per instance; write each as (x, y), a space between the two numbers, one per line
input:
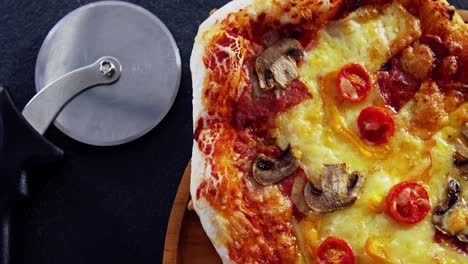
(186, 241)
(463, 14)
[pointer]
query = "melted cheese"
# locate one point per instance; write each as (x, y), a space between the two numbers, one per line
(369, 37)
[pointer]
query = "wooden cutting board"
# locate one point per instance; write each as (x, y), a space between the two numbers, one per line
(463, 14)
(186, 241)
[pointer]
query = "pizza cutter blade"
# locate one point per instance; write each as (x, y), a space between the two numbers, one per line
(125, 54)
(151, 71)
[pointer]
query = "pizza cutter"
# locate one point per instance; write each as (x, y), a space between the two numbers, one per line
(129, 59)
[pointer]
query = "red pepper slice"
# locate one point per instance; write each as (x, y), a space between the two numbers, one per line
(353, 83)
(408, 202)
(334, 251)
(376, 125)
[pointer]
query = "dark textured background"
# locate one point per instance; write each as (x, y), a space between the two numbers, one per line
(101, 205)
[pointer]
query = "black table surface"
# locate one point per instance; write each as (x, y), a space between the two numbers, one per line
(100, 205)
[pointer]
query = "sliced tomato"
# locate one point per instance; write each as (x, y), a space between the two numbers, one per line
(353, 83)
(376, 125)
(408, 202)
(334, 251)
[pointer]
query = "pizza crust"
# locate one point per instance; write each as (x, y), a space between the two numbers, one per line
(200, 168)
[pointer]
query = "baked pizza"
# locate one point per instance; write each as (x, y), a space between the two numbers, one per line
(332, 131)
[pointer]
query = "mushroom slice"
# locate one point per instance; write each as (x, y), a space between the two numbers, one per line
(451, 217)
(461, 152)
(337, 189)
(267, 171)
(465, 130)
(276, 66)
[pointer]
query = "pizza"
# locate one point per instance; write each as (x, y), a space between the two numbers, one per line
(332, 131)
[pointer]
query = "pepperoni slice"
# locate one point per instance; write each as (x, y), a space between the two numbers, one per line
(397, 86)
(408, 202)
(334, 251)
(376, 125)
(353, 83)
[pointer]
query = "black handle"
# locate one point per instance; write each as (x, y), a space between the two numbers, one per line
(21, 148)
(5, 238)
(5, 223)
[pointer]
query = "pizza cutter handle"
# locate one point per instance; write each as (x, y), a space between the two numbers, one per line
(5, 239)
(44, 107)
(22, 145)
(21, 148)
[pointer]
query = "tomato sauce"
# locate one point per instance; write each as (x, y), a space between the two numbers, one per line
(251, 109)
(286, 187)
(451, 241)
(198, 129)
(304, 29)
(268, 224)
(218, 52)
(248, 147)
